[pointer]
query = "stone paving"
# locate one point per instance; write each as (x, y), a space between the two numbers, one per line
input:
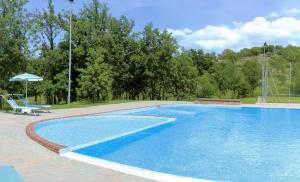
(37, 164)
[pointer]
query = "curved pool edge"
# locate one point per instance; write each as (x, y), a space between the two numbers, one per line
(135, 171)
(58, 148)
(40, 140)
(54, 147)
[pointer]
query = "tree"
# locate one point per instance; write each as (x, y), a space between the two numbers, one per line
(61, 85)
(123, 50)
(184, 74)
(47, 26)
(229, 55)
(158, 48)
(206, 86)
(291, 54)
(90, 30)
(230, 79)
(13, 37)
(95, 80)
(252, 71)
(204, 62)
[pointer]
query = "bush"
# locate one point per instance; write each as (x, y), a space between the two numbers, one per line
(257, 92)
(230, 94)
(206, 87)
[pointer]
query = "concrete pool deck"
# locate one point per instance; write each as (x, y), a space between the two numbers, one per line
(35, 163)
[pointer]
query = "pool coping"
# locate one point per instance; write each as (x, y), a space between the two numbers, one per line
(37, 138)
(135, 171)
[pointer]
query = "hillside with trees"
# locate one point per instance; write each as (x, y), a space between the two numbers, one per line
(112, 61)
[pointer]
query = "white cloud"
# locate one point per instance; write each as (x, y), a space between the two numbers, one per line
(273, 15)
(281, 31)
(181, 33)
(294, 12)
(291, 12)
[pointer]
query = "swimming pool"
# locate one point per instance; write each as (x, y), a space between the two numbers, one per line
(222, 143)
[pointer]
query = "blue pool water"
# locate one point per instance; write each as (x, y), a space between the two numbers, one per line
(77, 131)
(212, 142)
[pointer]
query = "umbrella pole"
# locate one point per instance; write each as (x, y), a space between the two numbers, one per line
(26, 91)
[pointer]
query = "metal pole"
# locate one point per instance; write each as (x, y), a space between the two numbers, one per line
(266, 80)
(266, 74)
(290, 82)
(263, 78)
(26, 90)
(70, 58)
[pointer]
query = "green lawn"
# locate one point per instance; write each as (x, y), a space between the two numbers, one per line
(294, 100)
(81, 104)
(252, 100)
(249, 100)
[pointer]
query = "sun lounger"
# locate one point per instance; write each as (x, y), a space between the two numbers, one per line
(27, 103)
(23, 110)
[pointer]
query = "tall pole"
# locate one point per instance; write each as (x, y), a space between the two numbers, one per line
(70, 57)
(263, 81)
(26, 91)
(267, 77)
(264, 75)
(290, 82)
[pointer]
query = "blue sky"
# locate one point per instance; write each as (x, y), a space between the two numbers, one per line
(212, 25)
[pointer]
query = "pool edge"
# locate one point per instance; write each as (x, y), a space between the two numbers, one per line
(30, 132)
(37, 138)
(135, 171)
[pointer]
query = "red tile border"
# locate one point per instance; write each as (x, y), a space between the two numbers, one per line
(34, 136)
(49, 145)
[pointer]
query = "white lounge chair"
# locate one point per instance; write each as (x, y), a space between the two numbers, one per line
(23, 110)
(27, 103)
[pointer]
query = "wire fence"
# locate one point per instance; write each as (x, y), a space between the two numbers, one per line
(282, 84)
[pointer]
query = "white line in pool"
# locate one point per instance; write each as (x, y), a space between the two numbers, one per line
(168, 120)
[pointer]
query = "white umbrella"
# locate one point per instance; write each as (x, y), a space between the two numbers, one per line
(27, 78)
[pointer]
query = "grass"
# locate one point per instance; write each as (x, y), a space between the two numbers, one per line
(82, 104)
(286, 100)
(249, 100)
(293, 100)
(79, 104)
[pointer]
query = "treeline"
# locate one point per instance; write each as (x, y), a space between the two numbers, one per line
(112, 61)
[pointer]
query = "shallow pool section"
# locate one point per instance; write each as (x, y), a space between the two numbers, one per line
(211, 142)
(87, 130)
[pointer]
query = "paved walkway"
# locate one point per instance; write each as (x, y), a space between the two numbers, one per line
(36, 163)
